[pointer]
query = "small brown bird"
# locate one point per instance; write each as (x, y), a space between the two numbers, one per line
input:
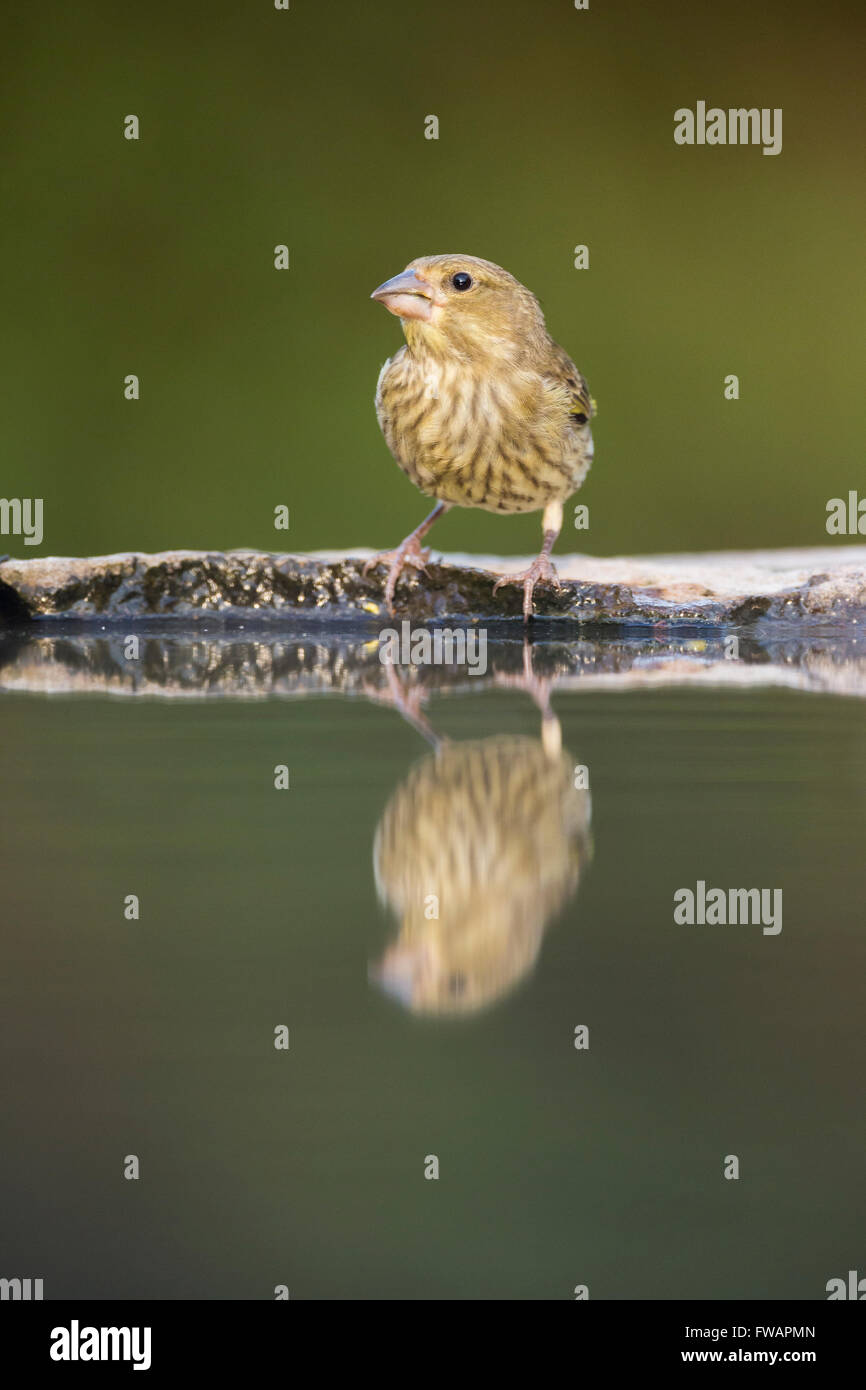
(497, 832)
(481, 408)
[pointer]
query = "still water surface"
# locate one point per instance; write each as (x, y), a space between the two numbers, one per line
(412, 1035)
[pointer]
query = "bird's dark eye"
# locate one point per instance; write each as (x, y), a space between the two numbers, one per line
(461, 281)
(579, 417)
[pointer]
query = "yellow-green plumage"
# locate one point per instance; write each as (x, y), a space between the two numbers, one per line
(496, 830)
(481, 408)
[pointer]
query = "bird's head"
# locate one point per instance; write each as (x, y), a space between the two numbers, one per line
(462, 305)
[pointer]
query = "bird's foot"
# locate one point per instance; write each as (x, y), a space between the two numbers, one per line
(541, 571)
(409, 552)
(406, 699)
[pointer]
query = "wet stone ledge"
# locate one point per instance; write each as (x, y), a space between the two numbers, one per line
(825, 585)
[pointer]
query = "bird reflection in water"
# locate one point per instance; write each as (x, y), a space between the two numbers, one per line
(477, 850)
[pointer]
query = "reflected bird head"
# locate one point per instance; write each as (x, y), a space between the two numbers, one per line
(475, 853)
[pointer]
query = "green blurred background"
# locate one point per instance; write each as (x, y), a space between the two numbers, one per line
(306, 127)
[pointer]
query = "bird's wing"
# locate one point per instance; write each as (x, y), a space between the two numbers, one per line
(566, 381)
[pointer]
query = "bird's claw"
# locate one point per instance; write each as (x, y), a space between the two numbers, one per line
(541, 571)
(409, 552)
(414, 556)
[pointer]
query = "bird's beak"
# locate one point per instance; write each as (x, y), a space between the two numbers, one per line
(408, 296)
(402, 972)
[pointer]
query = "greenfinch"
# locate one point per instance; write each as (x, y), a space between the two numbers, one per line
(495, 829)
(480, 408)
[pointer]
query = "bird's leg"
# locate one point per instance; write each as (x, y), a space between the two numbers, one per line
(542, 570)
(407, 700)
(409, 552)
(539, 689)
